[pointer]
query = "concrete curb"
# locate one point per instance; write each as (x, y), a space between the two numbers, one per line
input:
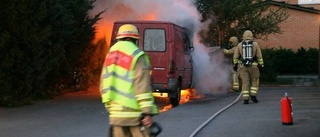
(301, 80)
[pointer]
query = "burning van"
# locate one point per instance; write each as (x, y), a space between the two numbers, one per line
(169, 48)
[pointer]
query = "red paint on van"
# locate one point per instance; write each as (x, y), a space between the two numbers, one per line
(169, 48)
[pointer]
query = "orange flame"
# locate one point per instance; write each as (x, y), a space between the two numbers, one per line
(186, 95)
(150, 16)
(104, 27)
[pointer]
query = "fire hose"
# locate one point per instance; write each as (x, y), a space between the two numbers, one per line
(213, 116)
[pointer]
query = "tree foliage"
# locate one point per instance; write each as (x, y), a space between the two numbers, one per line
(41, 43)
(228, 18)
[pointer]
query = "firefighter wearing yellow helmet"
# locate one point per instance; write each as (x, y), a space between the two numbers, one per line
(233, 42)
(128, 31)
(125, 86)
(248, 53)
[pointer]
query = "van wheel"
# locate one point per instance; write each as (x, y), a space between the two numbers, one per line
(176, 98)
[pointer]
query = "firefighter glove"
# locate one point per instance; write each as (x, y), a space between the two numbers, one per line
(235, 67)
(155, 129)
(225, 51)
(261, 66)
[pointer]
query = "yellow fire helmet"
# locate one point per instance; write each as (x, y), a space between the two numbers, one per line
(128, 30)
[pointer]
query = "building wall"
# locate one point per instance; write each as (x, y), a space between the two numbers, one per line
(316, 6)
(301, 29)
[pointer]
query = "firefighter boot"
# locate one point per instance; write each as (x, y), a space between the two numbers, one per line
(245, 101)
(254, 99)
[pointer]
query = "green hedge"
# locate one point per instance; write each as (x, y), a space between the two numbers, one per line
(288, 62)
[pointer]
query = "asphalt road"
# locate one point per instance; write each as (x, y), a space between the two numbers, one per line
(253, 120)
(78, 114)
(82, 115)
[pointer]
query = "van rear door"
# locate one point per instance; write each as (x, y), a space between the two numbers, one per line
(155, 43)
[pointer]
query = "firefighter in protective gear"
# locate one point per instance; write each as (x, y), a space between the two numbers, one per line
(125, 86)
(248, 55)
(233, 42)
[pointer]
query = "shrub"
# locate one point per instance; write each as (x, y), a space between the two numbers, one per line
(286, 62)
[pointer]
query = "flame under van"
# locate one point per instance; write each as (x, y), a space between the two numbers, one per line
(168, 46)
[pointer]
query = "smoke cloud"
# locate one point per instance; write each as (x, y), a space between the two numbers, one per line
(211, 75)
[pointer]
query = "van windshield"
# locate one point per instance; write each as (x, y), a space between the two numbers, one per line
(154, 40)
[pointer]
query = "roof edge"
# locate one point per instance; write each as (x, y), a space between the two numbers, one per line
(294, 6)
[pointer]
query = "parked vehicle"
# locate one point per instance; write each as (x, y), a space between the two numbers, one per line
(168, 46)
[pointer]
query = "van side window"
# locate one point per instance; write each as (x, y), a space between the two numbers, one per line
(186, 43)
(154, 40)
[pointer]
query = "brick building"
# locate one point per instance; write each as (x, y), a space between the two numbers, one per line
(301, 29)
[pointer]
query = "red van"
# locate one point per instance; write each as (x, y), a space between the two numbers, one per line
(168, 46)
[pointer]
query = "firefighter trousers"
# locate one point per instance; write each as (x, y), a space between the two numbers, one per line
(235, 81)
(130, 131)
(250, 81)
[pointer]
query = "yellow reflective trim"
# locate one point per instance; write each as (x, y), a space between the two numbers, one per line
(260, 61)
(115, 107)
(254, 63)
(106, 105)
(144, 96)
(235, 61)
(245, 92)
(104, 98)
(146, 104)
(254, 88)
(226, 51)
(125, 114)
(245, 95)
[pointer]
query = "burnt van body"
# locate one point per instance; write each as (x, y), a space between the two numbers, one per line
(168, 46)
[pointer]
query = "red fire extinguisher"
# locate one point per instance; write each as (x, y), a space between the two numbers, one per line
(286, 109)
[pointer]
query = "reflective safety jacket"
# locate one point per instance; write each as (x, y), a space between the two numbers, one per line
(117, 78)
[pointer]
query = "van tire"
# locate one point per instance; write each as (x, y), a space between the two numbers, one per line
(176, 98)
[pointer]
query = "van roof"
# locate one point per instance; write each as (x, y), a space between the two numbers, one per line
(142, 21)
(145, 21)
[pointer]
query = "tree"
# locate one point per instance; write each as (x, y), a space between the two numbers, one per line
(41, 42)
(91, 63)
(228, 18)
(75, 69)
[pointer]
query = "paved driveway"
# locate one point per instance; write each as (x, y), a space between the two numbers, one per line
(82, 115)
